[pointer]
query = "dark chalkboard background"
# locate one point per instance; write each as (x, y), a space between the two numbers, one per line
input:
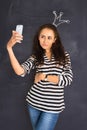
(13, 89)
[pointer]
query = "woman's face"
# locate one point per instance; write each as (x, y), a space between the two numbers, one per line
(46, 39)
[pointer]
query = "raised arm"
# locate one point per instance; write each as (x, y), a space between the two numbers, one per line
(15, 38)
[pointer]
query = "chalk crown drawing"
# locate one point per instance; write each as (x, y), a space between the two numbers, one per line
(58, 19)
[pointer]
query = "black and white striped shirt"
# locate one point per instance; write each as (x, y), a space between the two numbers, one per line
(44, 95)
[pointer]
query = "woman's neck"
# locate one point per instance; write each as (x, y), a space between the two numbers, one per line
(48, 54)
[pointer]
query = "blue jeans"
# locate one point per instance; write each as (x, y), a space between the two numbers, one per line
(42, 120)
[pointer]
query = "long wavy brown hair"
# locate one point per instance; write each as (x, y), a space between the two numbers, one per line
(57, 48)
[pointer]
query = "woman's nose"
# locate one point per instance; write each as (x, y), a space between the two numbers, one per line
(45, 39)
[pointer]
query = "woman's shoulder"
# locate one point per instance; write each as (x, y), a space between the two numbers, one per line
(67, 56)
(67, 53)
(32, 57)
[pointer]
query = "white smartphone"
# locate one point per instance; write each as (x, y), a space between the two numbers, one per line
(19, 29)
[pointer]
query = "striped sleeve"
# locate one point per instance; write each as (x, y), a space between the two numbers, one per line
(67, 74)
(28, 65)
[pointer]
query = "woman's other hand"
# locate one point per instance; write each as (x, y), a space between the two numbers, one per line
(39, 76)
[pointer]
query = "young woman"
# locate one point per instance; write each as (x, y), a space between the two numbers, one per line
(53, 71)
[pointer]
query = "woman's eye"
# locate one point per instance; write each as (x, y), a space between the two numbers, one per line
(42, 36)
(49, 37)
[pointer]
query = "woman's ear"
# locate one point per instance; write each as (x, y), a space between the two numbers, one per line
(54, 40)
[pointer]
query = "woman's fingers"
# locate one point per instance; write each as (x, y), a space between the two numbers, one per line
(39, 76)
(17, 37)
